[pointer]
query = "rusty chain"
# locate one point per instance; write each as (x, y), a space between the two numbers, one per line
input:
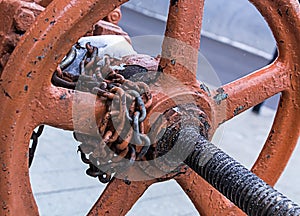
(122, 137)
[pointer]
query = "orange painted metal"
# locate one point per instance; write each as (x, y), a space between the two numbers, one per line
(250, 91)
(206, 199)
(60, 100)
(182, 40)
(282, 76)
(25, 80)
(17, 17)
(29, 99)
(119, 196)
(285, 132)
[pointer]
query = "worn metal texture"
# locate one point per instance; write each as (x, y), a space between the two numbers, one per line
(182, 40)
(28, 98)
(209, 201)
(120, 195)
(282, 76)
(17, 17)
(25, 85)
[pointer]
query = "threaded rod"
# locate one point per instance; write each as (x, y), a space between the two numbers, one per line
(238, 184)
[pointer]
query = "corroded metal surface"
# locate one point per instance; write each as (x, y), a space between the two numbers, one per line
(23, 108)
(16, 18)
(282, 76)
(29, 99)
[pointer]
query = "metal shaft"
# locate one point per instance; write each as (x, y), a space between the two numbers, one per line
(238, 184)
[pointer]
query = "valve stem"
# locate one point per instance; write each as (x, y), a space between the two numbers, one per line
(246, 190)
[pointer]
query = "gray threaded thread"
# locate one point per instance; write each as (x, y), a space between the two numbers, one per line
(242, 187)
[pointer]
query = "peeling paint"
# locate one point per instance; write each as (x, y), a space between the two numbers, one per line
(279, 12)
(220, 96)
(205, 88)
(287, 12)
(174, 2)
(4, 167)
(29, 74)
(40, 57)
(6, 94)
(63, 96)
(238, 110)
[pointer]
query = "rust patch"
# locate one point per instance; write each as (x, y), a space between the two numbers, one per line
(117, 193)
(40, 57)
(21, 16)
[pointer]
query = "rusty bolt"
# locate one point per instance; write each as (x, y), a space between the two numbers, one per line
(114, 16)
(23, 19)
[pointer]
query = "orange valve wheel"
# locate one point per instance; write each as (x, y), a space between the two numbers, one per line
(29, 99)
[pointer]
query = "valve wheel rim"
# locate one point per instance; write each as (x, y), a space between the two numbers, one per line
(39, 54)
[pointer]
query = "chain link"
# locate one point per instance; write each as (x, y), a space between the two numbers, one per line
(122, 139)
(121, 129)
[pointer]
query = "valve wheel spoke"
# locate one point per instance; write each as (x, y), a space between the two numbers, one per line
(250, 90)
(192, 183)
(182, 42)
(282, 76)
(118, 197)
(68, 109)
